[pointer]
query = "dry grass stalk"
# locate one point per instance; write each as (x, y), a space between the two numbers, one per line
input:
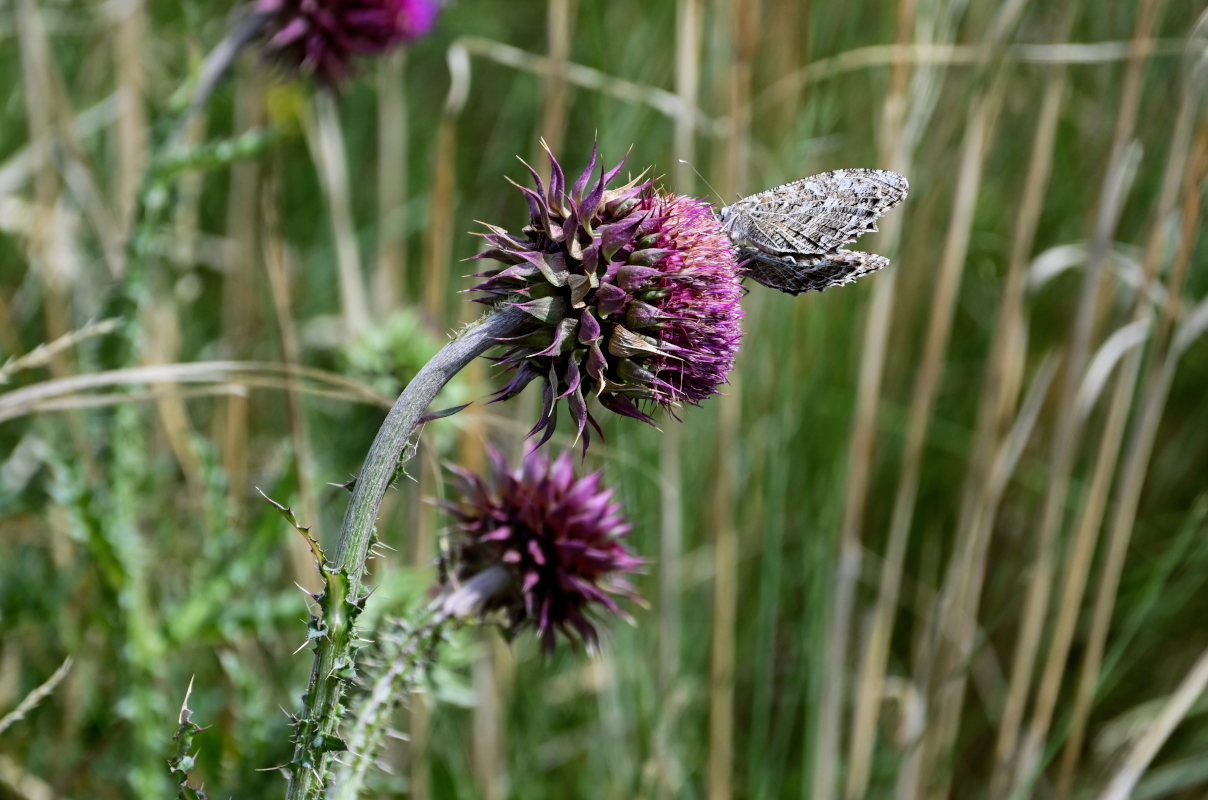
(129, 37)
(954, 620)
(183, 248)
(1134, 466)
(788, 55)
(1009, 770)
(43, 354)
(671, 518)
(188, 247)
(26, 160)
(163, 347)
(29, 399)
(949, 698)
(954, 55)
(277, 269)
(559, 23)
(1143, 752)
(31, 700)
(325, 137)
(725, 604)
(39, 93)
(438, 250)
(977, 134)
(584, 77)
(896, 150)
(241, 321)
(1004, 372)
(390, 267)
(743, 21)
(52, 242)
(487, 738)
(1085, 541)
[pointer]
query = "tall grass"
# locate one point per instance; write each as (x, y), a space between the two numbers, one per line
(943, 537)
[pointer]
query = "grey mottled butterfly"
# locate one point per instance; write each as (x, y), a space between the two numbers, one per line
(792, 236)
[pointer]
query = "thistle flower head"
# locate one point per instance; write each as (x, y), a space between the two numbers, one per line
(633, 295)
(541, 546)
(321, 37)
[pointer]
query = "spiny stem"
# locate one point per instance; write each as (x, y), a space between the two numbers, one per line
(316, 735)
(396, 680)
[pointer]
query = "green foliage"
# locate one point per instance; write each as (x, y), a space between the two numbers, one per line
(131, 538)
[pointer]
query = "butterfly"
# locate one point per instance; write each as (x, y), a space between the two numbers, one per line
(791, 237)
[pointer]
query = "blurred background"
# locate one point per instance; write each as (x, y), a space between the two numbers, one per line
(943, 536)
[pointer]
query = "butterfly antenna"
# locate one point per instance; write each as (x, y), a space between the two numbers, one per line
(692, 167)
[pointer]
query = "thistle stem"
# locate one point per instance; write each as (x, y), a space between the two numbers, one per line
(215, 68)
(398, 679)
(384, 454)
(317, 726)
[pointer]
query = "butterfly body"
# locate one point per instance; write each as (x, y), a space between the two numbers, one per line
(791, 237)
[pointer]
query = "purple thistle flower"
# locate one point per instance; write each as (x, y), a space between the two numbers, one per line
(321, 37)
(539, 545)
(633, 294)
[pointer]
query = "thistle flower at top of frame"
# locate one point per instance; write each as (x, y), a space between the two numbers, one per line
(320, 38)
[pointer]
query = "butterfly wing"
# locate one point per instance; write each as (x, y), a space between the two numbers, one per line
(794, 274)
(818, 214)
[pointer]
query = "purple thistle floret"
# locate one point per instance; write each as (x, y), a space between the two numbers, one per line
(633, 294)
(541, 546)
(321, 37)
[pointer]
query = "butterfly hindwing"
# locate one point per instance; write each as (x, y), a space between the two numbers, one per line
(794, 274)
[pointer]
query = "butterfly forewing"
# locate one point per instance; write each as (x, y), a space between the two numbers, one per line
(818, 214)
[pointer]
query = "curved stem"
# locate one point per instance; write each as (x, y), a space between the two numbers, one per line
(384, 454)
(215, 67)
(316, 736)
